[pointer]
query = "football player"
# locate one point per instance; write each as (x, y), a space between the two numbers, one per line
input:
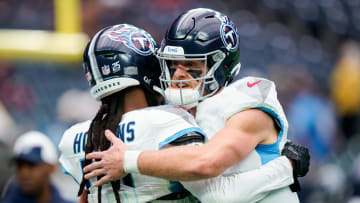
(123, 73)
(244, 120)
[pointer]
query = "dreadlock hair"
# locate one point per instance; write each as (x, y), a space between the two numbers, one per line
(108, 117)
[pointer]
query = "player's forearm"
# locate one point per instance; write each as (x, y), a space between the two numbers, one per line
(178, 163)
(250, 186)
(274, 175)
(195, 162)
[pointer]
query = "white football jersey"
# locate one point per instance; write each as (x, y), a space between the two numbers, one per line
(146, 129)
(212, 114)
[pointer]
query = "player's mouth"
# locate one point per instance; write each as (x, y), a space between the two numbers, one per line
(182, 85)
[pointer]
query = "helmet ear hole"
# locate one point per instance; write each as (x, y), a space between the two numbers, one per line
(109, 55)
(235, 71)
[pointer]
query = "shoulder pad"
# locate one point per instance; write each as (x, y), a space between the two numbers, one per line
(169, 113)
(255, 87)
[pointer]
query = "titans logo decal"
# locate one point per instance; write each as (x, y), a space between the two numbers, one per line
(229, 35)
(136, 40)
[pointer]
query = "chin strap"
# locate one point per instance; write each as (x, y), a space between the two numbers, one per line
(187, 98)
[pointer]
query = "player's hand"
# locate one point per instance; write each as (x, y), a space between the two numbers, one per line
(300, 157)
(110, 163)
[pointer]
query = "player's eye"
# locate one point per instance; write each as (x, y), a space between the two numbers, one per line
(174, 63)
(189, 64)
(195, 73)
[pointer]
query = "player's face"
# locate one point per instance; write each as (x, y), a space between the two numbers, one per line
(33, 178)
(186, 70)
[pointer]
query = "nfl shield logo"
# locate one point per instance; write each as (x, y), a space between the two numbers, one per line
(105, 69)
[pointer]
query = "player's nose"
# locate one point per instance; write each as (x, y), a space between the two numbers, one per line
(180, 73)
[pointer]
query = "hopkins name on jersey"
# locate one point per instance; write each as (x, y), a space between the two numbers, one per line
(151, 128)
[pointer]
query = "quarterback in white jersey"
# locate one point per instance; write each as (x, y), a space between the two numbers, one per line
(256, 93)
(245, 122)
(151, 128)
(197, 69)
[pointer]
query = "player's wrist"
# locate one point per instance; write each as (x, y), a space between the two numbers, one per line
(131, 161)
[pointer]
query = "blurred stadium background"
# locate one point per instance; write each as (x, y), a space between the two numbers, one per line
(310, 48)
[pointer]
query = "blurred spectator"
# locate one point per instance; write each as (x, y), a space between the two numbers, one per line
(72, 106)
(82, 106)
(15, 93)
(345, 88)
(312, 117)
(312, 122)
(355, 180)
(7, 130)
(7, 125)
(35, 158)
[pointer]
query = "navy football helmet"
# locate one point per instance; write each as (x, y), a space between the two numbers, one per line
(121, 56)
(200, 34)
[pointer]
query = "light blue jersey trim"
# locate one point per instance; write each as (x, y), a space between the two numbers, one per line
(271, 151)
(67, 173)
(181, 133)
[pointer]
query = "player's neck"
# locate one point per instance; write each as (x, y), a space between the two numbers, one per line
(134, 99)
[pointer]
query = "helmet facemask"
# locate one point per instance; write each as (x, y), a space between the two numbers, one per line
(202, 35)
(174, 90)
